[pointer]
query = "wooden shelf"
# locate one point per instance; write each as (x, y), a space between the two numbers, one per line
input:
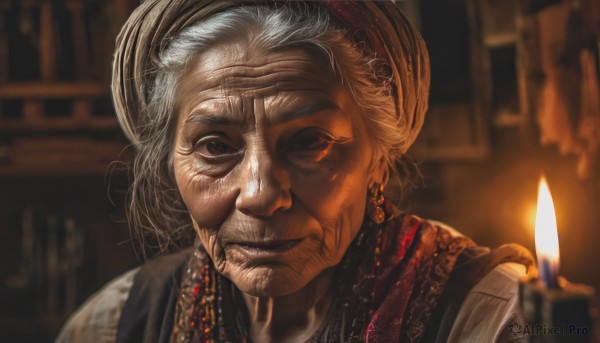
(500, 40)
(59, 140)
(60, 124)
(49, 90)
(506, 118)
(56, 170)
(60, 156)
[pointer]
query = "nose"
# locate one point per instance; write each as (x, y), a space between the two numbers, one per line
(264, 185)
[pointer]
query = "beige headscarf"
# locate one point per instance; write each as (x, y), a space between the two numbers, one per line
(387, 32)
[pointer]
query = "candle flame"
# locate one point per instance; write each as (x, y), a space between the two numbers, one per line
(546, 235)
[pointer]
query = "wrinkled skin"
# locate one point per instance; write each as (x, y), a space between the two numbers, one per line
(272, 159)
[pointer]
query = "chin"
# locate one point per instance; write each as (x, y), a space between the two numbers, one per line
(269, 281)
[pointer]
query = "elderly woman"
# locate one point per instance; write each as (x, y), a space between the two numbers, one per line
(268, 131)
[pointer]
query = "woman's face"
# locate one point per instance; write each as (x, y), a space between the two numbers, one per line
(272, 159)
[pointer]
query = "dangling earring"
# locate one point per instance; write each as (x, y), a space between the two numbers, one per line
(374, 209)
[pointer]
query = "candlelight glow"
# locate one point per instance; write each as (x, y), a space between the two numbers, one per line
(546, 235)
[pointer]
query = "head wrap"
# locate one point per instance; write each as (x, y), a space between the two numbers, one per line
(387, 33)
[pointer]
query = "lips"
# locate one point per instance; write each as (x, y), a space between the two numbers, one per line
(274, 246)
(265, 252)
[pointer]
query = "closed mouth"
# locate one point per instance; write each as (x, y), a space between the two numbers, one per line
(274, 246)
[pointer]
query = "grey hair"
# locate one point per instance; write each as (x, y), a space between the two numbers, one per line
(156, 210)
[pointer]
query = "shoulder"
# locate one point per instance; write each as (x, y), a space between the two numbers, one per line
(148, 312)
(480, 299)
(97, 319)
(490, 307)
(163, 270)
(492, 304)
(133, 295)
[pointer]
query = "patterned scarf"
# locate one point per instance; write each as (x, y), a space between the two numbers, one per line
(390, 281)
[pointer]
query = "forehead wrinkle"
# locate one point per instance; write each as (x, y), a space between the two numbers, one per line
(248, 67)
(223, 62)
(218, 110)
(276, 80)
(218, 77)
(215, 119)
(265, 69)
(260, 86)
(209, 74)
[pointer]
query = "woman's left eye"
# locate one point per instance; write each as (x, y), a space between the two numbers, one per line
(310, 144)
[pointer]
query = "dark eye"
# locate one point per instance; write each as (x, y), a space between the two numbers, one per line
(215, 147)
(218, 148)
(311, 142)
(309, 145)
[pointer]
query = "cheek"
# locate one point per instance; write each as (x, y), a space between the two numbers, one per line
(207, 199)
(211, 243)
(341, 216)
(334, 201)
(337, 200)
(209, 203)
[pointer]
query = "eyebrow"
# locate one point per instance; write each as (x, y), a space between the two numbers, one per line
(211, 119)
(223, 120)
(303, 112)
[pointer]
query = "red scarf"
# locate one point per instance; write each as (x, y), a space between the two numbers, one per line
(391, 280)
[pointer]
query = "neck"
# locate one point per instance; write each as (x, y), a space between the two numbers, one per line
(294, 317)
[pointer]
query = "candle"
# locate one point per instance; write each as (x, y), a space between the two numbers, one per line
(554, 312)
(546, 236)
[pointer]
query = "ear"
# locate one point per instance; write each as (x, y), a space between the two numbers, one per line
(378, 171)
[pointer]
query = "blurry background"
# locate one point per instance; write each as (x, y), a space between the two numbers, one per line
(514, 95)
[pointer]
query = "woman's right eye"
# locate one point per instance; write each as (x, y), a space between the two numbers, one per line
(215, 147)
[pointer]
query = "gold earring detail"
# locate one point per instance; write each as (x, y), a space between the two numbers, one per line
(376, 199)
